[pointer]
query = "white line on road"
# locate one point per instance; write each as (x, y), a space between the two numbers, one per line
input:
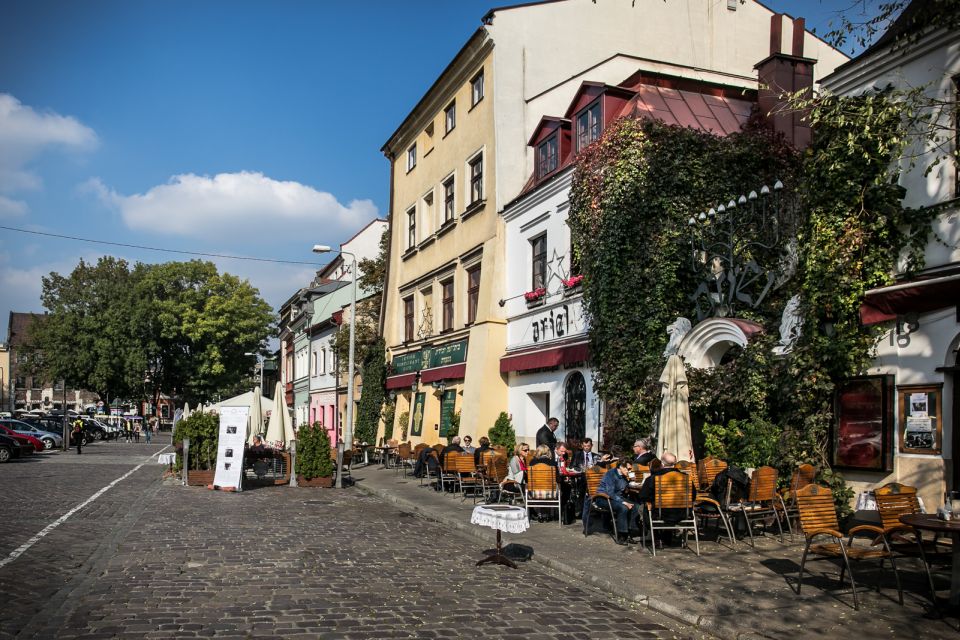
(161, 451)
(16, 553)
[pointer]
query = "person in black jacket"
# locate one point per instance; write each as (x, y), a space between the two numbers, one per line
(546, 434)
(586, 458)
(641, 452)
(453, 446)
(478, 452)
(648, 492)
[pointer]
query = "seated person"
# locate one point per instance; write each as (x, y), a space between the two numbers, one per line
(468, 445)
(543, 455)
(614, 484)
(517, 467)
(586, 458)
(571, 486)
(648, 490)
(453, 446)
(425, 463)
(258, 448)
(641, 452)
(478, 452)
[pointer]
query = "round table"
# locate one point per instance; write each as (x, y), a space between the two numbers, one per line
(167, 458)
(501, 517)
(930, 522)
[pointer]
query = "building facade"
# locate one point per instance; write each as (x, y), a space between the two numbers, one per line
(909, 400)
(461, 155)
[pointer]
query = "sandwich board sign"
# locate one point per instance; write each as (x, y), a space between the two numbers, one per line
(233, 435)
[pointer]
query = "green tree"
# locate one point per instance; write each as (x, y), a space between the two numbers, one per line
(503, 433)
(313, 452)
(371, 401)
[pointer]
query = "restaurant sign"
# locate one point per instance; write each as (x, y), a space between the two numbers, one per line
(441, 356)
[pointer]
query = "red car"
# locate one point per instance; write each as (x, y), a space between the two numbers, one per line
(37, 445)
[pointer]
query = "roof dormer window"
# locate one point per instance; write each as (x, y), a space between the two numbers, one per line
(547, 157)
(589, 125)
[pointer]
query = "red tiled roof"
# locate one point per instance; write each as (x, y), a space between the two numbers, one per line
(704, 112)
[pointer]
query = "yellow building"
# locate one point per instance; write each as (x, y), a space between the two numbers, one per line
(461, 155)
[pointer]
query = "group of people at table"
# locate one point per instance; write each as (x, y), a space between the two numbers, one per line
(627, 493)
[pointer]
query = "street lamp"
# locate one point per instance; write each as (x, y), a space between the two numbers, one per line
(260, 360)
(348, 428)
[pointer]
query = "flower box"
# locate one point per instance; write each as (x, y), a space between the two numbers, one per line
(315, 482)
(200, 478)
(536, 297)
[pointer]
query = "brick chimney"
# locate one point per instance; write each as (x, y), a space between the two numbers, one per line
(783, 72)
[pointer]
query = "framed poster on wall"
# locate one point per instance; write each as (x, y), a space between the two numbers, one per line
(863, 431)
(416, 424)
(447, 404)
(921, 424)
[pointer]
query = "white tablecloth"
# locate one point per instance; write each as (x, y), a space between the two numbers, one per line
(501, 516)
(166, 458)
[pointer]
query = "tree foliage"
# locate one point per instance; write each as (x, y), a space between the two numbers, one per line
(313, 452)
(203, 430)
(503, 433)
(371, 401)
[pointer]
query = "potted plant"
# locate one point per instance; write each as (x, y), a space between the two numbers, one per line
(314, 462)
(536, 297)
(571, 285)
(203, 429)
(404, 423)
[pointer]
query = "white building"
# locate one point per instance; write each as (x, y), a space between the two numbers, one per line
(914, 381)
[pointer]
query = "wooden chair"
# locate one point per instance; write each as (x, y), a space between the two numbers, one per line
(705, 507)
(542, 489)
(449, 473)
(707, 471)
(803, 475)
(596, 501)
(818, 517)
(404, 454)
(895, 500)
(347, 465)
(470, 479)
(435, 473)
(672, 491)
(509, 489)
(762, 501)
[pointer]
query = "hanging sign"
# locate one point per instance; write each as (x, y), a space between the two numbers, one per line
(430, 357)
(233, 434)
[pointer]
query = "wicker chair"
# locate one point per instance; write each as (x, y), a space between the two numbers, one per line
(818, 517)
(672, 491)
(895, 500)
(762, 501)
(542, 489)
(594, 501)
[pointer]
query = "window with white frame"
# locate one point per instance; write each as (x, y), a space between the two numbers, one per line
(411, 228)
(450, 117)
(449, 192)
(412, 156)
(476, 89)
(589, 125)
(476, 179)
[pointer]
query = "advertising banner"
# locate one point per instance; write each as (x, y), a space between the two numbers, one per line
(233, 433)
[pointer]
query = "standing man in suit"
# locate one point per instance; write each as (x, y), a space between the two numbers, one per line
(546, 434)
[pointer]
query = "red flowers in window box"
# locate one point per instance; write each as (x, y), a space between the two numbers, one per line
(536, 294)
(572, 281)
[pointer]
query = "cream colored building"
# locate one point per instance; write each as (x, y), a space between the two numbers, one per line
(461, 155)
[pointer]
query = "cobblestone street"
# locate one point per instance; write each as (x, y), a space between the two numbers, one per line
(152, 559)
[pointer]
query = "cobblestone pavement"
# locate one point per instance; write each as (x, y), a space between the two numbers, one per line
(152, 559)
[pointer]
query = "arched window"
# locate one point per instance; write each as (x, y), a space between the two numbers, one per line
(575, 407)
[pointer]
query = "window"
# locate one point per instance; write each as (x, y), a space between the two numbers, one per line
(547, 156)
(21, 382)
(476, 179)
(588, 125)
(447, 304)
(448, 195)
(476, 89)
(412, 228)
(408, 319)
(450, 117)
(314, 365)
(412, 156)
(539, 246)
(473, 293)
(321, 361)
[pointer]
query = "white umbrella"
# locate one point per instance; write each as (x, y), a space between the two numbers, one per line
(280, 428)
(186, 410)
(256, 417)
(674, 429)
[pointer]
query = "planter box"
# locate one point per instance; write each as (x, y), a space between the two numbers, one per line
(200, 478)
(315, 482)
(572, 291)
(539, 302)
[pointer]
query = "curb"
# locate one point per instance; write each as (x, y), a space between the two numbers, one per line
(707, 624)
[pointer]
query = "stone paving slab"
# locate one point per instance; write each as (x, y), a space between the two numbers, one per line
(732, 593)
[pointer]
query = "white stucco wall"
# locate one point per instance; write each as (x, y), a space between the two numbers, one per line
(525, 398)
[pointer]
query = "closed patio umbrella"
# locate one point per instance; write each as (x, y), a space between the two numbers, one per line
(673, 432)
(255, 424)
(279, 429)
(186, 410)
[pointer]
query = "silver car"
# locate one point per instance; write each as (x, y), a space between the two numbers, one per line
(49, 440)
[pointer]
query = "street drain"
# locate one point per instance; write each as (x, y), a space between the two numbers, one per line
(316, 502)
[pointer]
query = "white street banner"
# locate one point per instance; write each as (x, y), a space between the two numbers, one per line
(233, 434)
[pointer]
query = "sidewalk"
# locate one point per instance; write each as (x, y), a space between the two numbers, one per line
(743, 593)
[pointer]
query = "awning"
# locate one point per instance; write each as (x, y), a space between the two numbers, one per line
(449, 372)
(545, 358)
(401, 381)
(919, 296)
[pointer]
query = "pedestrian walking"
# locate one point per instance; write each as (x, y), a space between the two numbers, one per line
(136, 432)
(78, 434)
(127, 430)
(150, 429)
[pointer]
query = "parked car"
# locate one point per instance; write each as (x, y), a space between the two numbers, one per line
(49, 440)
(94, 429)
(20, 437)
(9, 448)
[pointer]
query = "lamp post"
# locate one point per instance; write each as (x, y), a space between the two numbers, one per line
(260, 360)
(348, 428)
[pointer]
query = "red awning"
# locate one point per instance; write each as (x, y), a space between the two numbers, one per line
(545, 358)
(450, 372)
(404, 380)
(919, 296)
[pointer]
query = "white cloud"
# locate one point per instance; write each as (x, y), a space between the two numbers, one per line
(25, 133)
(235, 205)
(10, 208)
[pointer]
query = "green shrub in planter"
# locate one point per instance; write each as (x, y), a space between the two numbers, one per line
(503, 433)
(313, 452)
(203, 429)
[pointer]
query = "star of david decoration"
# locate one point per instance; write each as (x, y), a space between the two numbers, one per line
(555, 269)
(426, 324)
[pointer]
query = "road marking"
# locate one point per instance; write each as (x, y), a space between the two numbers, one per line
(161, 451)
(16, 553)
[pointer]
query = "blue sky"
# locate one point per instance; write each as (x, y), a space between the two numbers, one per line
(223, 126)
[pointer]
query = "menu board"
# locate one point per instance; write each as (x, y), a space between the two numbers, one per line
(920, 419)
(233, 435)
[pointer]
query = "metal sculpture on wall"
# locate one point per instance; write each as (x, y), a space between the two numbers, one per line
(736, 250)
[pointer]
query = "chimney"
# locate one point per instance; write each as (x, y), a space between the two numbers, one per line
(783, 72)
